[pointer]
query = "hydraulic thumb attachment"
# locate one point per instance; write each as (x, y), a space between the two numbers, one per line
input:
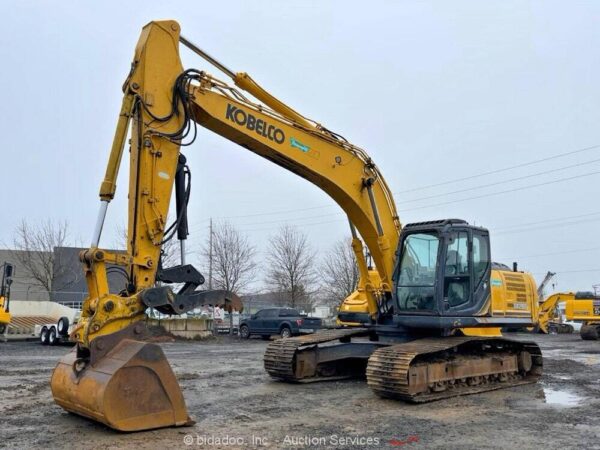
(164, 300)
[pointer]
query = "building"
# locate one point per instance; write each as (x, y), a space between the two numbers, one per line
(67, 281)
(25, 286)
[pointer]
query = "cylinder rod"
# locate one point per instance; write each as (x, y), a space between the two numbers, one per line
(352, 229)
(369, 184)
(99, 223)
(207, 57)
(182, 251)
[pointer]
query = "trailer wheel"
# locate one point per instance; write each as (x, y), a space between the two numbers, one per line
(52, 340)
(44, 336)
(63, 326)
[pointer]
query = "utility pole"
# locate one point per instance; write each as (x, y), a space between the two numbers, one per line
(210, 265)
(210, 255)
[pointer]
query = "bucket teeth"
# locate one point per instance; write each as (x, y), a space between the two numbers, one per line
(131, 388)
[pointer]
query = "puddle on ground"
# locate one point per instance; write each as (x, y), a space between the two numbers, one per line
(561, 398)
(561, 377)
(590, 360)
(587, 358)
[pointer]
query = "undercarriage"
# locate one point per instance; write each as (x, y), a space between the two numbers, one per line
(418, 371)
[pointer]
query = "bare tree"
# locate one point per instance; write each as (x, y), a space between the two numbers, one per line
(232, 258)
(34, 251)
(291, 271)
(340, 272)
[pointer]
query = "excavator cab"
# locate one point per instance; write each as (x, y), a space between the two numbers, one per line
(442, 274)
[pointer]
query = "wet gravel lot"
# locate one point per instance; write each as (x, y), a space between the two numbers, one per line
(236, 405)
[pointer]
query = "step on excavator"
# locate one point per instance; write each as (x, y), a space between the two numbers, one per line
(431, 330)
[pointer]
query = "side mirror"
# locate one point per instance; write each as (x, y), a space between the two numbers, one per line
(253, 317)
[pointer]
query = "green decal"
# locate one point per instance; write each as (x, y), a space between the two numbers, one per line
(299, 145)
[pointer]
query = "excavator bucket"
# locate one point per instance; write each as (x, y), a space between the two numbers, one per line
(130, 388)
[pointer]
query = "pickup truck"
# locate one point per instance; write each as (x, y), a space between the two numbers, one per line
(285, 322)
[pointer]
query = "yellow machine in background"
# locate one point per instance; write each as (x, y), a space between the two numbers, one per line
(354, 310)
(581, 307)
(549, 319)
(7, 274)
(584, 307)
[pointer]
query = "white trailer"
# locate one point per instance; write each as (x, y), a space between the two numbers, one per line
(54, 333)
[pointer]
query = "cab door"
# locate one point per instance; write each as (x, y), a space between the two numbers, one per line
(466, 268)
(482, 271)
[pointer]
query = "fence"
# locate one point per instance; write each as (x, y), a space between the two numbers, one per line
(36, 293)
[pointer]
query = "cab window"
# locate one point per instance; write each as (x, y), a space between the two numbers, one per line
(481, 258)
(456, 269)
(417, 272)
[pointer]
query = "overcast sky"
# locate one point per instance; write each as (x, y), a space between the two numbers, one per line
(434, 91)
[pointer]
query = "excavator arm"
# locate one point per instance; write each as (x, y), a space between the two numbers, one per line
(110, 370)
(547, 310)
(345, 172)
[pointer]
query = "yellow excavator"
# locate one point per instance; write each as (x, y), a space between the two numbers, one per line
(549, 321)
(7, 275)
(430, 299)
(585, 307)
(581, 307)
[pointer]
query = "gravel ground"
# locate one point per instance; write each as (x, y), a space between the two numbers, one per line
(236, 405)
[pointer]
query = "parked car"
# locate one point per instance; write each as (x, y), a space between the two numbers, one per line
(285, 322)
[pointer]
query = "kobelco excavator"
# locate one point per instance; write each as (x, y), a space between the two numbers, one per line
(428, 298)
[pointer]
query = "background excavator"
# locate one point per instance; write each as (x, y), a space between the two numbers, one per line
(585, 307)
(581, 307)
(7, 275)
(430, 298)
